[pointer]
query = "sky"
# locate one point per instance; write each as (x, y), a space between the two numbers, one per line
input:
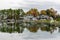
(27, 4)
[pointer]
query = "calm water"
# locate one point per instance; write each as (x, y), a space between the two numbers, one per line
(29, 31)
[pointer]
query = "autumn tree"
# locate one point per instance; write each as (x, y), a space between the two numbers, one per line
(51, 12)
(43, 12)
(33, 12)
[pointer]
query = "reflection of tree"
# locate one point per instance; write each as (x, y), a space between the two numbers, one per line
(12, 28)
(48, 29)
(9, 29)
(19, 28)
(33, 29)
(59, 29)
(3, 29)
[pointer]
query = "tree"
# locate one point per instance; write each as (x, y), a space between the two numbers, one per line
(43, 12)
(22, 13)
(51, 12)
(9, 11)
(57, 17)
(33, 12)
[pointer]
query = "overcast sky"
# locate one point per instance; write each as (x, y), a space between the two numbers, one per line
(27, 4)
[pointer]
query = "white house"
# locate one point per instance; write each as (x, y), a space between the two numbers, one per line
(44, 17)
(34, 18)
(29, 18)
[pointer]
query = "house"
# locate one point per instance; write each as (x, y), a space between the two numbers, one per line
(44, 17)
(29, 18)
(34, 18)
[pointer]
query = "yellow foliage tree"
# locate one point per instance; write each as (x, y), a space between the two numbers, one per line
(51, 12)
(43, 12)
(33, 12)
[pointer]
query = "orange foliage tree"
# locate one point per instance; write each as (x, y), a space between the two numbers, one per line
(43, 12)
(33, 12)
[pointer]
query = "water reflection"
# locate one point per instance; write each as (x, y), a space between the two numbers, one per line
(30, 26)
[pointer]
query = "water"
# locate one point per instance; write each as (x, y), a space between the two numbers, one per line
(26, 35)
(29, 31)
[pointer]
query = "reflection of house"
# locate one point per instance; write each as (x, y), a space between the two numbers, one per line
(10, 21)
(21, 18)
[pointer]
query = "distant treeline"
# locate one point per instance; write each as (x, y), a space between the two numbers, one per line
(16, 13)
